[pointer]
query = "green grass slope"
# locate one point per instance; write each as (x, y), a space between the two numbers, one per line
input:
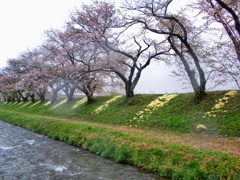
(166, 135)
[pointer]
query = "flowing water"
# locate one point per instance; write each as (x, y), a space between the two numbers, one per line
(26, 155)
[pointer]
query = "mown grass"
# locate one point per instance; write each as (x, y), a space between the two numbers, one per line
(165, 159)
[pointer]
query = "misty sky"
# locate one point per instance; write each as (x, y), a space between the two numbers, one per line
(24, 21)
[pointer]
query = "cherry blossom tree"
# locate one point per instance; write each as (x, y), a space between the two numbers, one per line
(90, 79)
(33, 77)
(232, 7)
(82, 59)
(101, 42)
(221, 26)
(157, 17)
(7, 83)
(16, 68)
(55, 69)
(127, 52)
(223, 63)
(225, 13)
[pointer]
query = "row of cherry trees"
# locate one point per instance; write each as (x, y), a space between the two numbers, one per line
(102, 46)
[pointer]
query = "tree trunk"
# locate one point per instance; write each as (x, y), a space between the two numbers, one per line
(69, 91)
(54, 96)
(42, 98)
(70, 95)
(17, 97)
(233, 38)
(20, 96)
(130, 86)
(129, 90)
(89, 95)
(90, 99)
(237, 48)
(55, 91)
(9, 98)
(199, 90)
(25, 99)
(41, 95)
(32, 96)
(199, 94)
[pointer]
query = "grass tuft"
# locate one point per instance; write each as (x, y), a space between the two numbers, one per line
(165, 135)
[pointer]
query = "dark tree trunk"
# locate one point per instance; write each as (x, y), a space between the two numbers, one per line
(42, 98)
(129, 90)
(41, 94)
(89, 96)
(17, 97)
(20, 96)
(237, 49)
(199, 95)
(233, 14)
(90, 99)
(129, 84)
(32, 96)
(236, 42)
(88, 90)
(199, 89)
(25, 99)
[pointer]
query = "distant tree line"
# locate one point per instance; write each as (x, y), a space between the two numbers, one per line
(103, 46)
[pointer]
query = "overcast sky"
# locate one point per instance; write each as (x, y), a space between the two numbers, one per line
(24, 21)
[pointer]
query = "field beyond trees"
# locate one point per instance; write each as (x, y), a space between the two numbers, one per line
(167, 135)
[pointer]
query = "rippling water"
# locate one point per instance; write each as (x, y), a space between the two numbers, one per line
(26, 155)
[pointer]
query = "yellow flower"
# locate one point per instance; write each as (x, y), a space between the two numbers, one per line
(152, 106)
(47, 103)
(78, 103)
(220, 103)
(231, 93)
(59, 104)
(34, 104)
(104, 106)
(201, 126)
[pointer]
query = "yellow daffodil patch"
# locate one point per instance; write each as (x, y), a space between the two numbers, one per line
(59, 104)
(150, 108)
(36, 103)
(106, 104)
(201, 127)
(47, 103)
(80, 102)
(220, 103)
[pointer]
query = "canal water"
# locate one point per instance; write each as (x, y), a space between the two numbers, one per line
(26, 155)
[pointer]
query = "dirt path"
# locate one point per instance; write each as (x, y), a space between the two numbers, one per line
(197, 141)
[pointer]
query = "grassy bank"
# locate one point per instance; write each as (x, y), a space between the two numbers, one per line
(166, 135)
